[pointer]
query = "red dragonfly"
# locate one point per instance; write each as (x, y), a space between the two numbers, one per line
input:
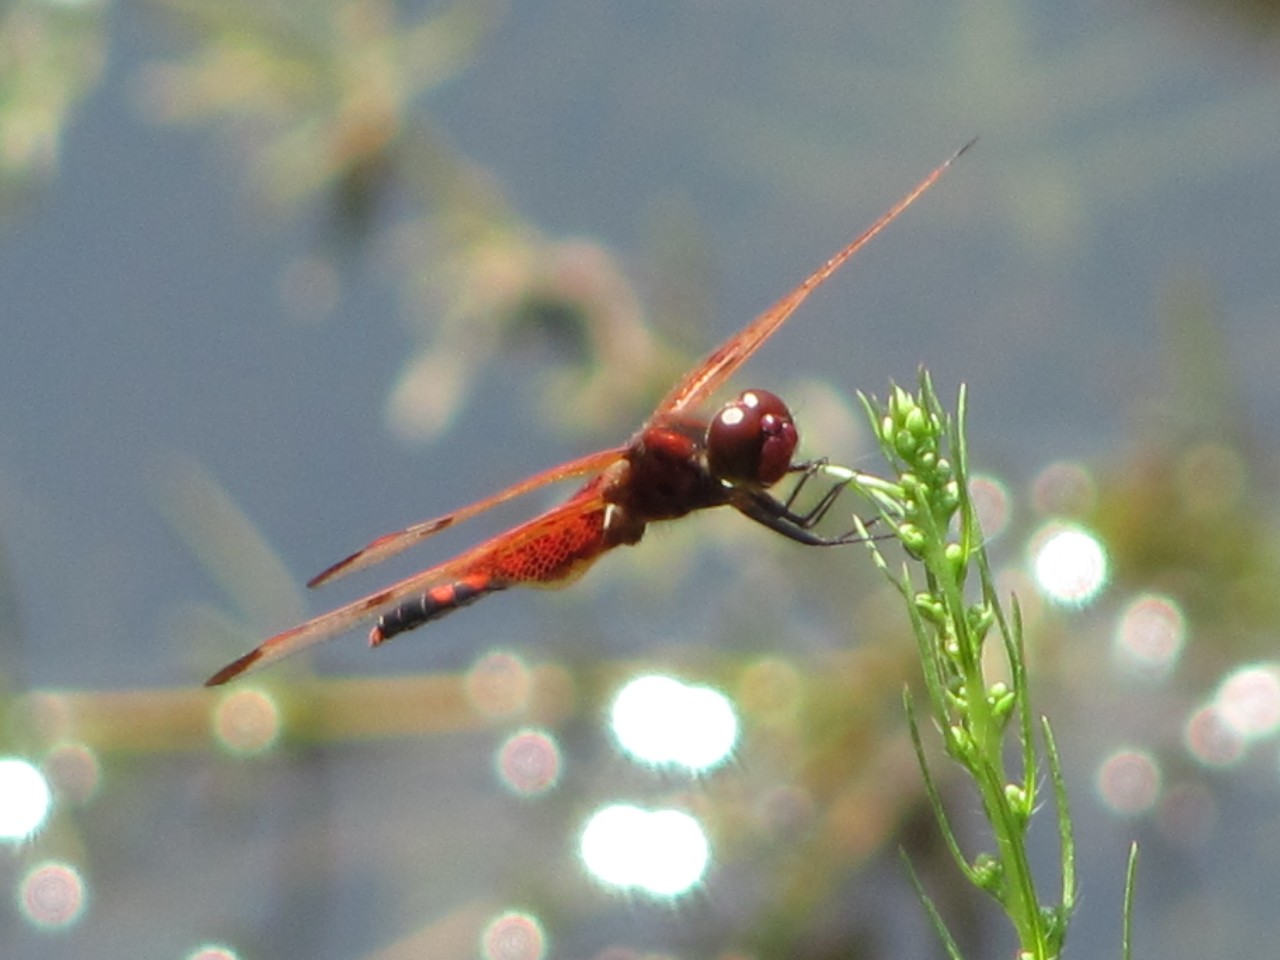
(675, 464)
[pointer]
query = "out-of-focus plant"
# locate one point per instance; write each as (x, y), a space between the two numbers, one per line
(51, 56)
(326, 107)
(1180, 511)
(330, 101)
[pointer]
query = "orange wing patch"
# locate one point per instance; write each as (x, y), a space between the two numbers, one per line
(557, 556)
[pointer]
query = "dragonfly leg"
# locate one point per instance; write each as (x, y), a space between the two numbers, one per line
(807, 469)
(779, 515)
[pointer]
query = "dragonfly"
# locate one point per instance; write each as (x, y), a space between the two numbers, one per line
(675, 464)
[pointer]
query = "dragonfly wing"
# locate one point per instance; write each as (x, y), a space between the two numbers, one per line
(704, 379)
(527, 554)
(394, 543)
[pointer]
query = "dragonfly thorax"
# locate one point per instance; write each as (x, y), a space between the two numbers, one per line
(667, 475)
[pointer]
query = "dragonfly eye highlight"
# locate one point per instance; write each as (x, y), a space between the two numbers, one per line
(751, 440)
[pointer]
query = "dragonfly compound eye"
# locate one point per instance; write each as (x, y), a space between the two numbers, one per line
(751, 440)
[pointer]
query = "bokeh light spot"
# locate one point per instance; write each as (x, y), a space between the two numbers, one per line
(1070, 565)
(1064, 488)
(52, 895)
(662, 853)
(247, 721)
(990, 498)
(513, 936)
(529, 762)
(73, 771)
(1149, 636)
(25, 799)
(1211, 740)
(659, 720)
(1129, 781)
(499, 684)
(1248, 700)
(212, 951)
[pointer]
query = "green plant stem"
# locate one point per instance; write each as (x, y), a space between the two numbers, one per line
(928, 508)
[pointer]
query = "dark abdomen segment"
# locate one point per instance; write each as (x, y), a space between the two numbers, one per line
(432, 605)
(549, 551)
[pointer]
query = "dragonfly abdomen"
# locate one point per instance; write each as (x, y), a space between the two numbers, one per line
(432, 605)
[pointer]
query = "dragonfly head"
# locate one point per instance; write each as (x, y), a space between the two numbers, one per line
(751, 439)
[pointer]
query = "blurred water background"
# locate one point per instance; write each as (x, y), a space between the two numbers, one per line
(279, 277)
